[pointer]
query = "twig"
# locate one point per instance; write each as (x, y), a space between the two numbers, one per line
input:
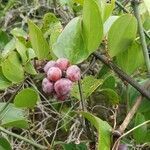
(22, 138)
(123, 75)
(135, 4)
(140, 125)
(130, 115)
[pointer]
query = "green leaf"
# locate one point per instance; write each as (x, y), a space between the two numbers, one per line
(108, 23)
(70, 43)
(110, 95)
(27, 98)
(109, 82)
(107, 8)
(124, 28)
(103, 128)
(140, 133)
(92, 25)
(147, 5)
(4, 144)
(9, 47)
(131, 59)
(29, 68)
(4, 83)
(12, 68)
(89, 85)
(38, 42)
(30, 53)
(19, 32)
(22, 50)
(13, 117)
(3, 39)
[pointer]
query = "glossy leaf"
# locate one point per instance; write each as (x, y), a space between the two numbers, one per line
(19, 32)
(89, 85)
(124, 28)
(29, 68)
(9, 47)
(92, 25)
(131, 59)
(13, 117)
(27, 98)
(4, 83)
(140, 133)
(39, 44)
(70, 43)
(4, 144)
(12, 68)
(103, 128)
(3, 39)
(22, 50)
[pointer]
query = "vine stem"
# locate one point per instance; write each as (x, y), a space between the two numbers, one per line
(128, 132)
(22, 138)
(135, 4)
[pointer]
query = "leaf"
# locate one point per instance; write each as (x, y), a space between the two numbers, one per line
(22, 50)
(29, 68)
(92, 25)
(147, 5)
(79, 1)
(103, 128)
(131, 59)
(110, 95)
(107, 8)
(124, 28)
(109, 82)
(19, 32)
(89, 85)
(140, 133)
(9, 47)
(38, 42)
(30, 53)
(3, 39)
(4, 83)
(26, 98)
(13, 117)
(108, 23)
(4, 144)
(70, 43)
(12, 68)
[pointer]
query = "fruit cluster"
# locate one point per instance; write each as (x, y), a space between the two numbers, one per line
(60, 76)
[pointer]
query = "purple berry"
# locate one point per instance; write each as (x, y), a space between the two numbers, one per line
(63, 63)
(47, 86)
(73, 73)
(122, 147)
(63, 87)
(54, 74)
(49, 65)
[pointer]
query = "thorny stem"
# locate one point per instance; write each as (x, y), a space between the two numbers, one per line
(22, 138)
(135, 4)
